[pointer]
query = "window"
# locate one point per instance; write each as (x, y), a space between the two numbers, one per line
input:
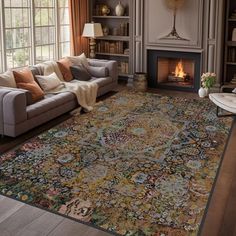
(1, 67)
(33, 31)
(64, 30)
(44, 30)
(17, 32)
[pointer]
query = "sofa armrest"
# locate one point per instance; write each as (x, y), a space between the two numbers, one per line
(13, 104)
(111, 65)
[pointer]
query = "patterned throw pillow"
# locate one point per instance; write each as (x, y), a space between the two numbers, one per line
(64, 66)
(25, 80)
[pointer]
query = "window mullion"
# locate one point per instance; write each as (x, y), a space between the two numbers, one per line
(3, 45)
(57, 30)
(32, 22)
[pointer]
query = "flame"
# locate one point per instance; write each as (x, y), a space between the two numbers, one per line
(179, 70)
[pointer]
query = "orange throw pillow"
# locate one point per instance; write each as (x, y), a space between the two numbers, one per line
(64, 66)
(25, 80)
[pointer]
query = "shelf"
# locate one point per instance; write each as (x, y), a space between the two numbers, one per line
(231, 43)
(232, 20)
(125, 75)
(231, 63)
(111, 54)
(115, 38)
(111, 17)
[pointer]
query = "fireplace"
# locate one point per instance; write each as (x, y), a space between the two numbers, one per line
(174, 70)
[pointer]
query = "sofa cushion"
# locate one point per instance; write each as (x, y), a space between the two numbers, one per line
(64, 66)
(49, 103)
(25, 80)
(80, 73)
(48, 82)
(7, 80)
(98, 71)
(102, 81)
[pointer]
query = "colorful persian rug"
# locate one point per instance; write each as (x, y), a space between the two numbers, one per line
(139, 164)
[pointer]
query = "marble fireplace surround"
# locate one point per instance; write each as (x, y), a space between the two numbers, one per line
(200, 21)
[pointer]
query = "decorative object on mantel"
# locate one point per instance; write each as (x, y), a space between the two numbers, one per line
(105, 10)
(120, 9)
(207, 80)
(174, 5)
(92, 31)
(234, 35)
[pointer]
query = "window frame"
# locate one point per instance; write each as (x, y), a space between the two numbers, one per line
(12, 28)
(32, 34)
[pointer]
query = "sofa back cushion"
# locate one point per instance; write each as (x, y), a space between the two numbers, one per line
(80, 73)
(48, 82)
(25, 80)
(7, 80)
(64, 66)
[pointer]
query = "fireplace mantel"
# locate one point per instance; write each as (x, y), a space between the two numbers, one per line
(204, 28)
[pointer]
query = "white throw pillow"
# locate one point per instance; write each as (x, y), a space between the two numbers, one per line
(234, 91)
(7, 80)
(48, 82)
(78, 60)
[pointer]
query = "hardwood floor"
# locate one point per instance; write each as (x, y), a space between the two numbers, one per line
(19, 219)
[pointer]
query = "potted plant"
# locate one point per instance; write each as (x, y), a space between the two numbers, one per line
(207, 81)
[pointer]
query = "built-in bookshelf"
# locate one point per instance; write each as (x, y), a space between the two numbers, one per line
(230, 43)
(117, 42)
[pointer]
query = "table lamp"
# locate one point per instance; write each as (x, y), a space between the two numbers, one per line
(92, 31)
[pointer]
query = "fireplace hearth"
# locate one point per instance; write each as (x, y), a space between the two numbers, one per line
(174, 70)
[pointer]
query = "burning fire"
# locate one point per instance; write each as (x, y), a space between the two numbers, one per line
(179, 70)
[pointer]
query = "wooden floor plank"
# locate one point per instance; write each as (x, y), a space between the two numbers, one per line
(72, 228)
(42, 225)
(20, 219)
(8, 208)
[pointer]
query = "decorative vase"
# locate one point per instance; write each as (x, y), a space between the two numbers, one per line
(120, 10)
(203, 92)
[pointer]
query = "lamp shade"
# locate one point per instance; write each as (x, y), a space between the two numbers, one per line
(92, 30)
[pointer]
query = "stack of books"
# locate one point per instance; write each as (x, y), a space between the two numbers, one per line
(123, 67)
(110, 47)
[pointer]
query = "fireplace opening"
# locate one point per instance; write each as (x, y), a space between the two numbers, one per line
(175, 72)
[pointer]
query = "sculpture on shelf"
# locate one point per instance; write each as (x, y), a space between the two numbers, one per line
(174, 5)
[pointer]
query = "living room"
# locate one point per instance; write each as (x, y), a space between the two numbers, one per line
(117, 117)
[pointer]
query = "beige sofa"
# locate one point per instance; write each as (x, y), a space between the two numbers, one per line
(18, 116)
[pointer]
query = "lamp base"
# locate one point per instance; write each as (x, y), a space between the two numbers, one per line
(92, 45)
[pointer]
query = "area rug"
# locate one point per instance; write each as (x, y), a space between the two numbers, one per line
(139, 164)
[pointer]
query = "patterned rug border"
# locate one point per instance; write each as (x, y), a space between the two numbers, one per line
(83, 114)
(216, 179)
